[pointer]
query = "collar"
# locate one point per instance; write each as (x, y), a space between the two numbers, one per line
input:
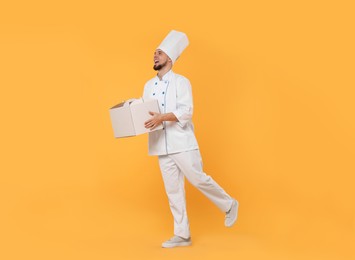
(166, 76)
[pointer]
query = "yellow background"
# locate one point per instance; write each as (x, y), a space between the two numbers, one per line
(273, 85)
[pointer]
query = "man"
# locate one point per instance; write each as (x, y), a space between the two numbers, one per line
(176, 145)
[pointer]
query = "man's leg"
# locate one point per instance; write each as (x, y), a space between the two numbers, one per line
(174, 187)
(190, 163)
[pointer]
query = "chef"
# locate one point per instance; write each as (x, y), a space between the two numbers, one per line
(176, 145)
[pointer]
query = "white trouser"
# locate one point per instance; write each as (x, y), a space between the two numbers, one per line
(189, 164)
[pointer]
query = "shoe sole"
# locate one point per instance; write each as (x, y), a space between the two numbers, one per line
(177, 244)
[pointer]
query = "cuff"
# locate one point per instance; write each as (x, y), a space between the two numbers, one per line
(179, 115)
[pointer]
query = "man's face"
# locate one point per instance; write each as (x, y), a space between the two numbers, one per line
(160, 59)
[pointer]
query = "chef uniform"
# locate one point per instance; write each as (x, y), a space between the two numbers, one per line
(176, 145)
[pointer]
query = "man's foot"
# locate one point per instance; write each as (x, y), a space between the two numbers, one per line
(232, 214)
(177, 241)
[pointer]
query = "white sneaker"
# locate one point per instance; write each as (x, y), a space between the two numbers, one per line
(177, 241)
(232, 214)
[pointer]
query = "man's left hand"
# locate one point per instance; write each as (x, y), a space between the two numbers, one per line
(155, 121)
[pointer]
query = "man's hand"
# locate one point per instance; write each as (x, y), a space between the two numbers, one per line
(155, 121)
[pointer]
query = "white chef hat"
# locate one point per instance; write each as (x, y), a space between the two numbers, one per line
(174, 44)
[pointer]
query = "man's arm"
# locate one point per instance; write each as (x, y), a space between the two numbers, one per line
(184, 104)
(157, 119)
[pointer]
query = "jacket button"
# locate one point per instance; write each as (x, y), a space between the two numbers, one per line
(162, 104)
(156, 83)
(153, 94)
(163, 93)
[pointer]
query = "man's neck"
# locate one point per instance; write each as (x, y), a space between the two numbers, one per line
(163, 71)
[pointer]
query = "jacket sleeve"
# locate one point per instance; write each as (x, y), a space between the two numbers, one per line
(184, 102)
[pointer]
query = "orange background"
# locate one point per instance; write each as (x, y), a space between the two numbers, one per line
(273, 85)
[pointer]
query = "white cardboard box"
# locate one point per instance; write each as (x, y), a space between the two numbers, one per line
(128, 117)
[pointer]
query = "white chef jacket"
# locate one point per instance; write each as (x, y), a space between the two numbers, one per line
(174, 95)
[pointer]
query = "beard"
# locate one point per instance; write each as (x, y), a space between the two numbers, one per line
(160, 66)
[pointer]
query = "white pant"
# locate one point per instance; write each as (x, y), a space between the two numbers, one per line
(189, 164)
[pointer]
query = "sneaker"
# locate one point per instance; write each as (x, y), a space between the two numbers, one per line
(177, 241)
(232, 214)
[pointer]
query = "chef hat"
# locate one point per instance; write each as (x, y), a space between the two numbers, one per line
(174, 44)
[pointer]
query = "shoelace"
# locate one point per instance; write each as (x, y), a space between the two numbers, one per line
(173, 239)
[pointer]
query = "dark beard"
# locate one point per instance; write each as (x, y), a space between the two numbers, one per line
(160, 66)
